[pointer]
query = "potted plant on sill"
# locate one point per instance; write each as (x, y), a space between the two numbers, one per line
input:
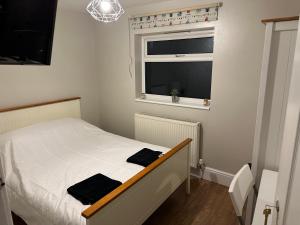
(174, 93)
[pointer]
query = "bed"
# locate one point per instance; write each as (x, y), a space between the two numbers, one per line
(46, 147)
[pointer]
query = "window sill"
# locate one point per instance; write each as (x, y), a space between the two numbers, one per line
(185, 105)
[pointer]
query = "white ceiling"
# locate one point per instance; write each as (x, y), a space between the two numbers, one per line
(80, 5)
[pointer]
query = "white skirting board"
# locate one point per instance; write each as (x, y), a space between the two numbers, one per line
(214, 175)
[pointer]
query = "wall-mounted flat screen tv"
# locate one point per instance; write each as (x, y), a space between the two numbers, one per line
(26, 31)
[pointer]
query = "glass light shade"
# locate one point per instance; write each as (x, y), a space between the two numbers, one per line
(105, 10)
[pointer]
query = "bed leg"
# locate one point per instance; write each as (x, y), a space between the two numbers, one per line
(188, 180)
(188, 186)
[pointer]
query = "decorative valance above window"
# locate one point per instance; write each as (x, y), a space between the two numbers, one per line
(176, 17)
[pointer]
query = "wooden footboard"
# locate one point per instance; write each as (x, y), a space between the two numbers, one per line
(135, 200)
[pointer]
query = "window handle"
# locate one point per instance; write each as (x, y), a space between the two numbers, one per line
(180, 55)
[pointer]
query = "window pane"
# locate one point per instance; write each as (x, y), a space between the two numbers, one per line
(191, 79)
(182, 46)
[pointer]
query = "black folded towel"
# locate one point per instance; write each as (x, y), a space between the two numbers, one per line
(144, 157)
(92, 189)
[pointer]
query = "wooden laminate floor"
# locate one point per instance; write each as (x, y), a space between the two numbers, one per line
(208, 204)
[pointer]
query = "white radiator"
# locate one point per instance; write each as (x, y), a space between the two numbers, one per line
(168, 133)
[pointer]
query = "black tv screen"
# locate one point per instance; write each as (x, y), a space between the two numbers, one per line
(26, 31)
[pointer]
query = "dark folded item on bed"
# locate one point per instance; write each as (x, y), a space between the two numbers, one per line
(144, 157)
(92, 189)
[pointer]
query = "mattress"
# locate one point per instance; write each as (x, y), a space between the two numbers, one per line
(41, 161)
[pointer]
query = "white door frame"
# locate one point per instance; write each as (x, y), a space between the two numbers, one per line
(271, 27)
(259, 115)
(261, 96)
(290, 137)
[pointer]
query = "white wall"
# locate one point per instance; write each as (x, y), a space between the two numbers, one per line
(72, 71)
(228, 128)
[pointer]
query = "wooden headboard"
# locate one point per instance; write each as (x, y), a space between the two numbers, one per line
(26, 115)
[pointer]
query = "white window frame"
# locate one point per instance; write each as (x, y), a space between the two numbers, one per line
(162, 99)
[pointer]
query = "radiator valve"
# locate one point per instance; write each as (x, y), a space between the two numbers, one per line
(201, 164)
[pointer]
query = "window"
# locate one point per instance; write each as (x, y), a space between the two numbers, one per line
(178, 61)
(191, 79)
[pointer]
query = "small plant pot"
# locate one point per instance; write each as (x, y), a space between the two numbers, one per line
(206, 102)
(175, 99)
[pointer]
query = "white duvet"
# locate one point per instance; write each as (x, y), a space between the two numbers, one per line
(43, 160)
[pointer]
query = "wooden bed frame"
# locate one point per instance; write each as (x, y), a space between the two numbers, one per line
(135, 200)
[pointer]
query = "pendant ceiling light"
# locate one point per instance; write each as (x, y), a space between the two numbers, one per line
(105, 10)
